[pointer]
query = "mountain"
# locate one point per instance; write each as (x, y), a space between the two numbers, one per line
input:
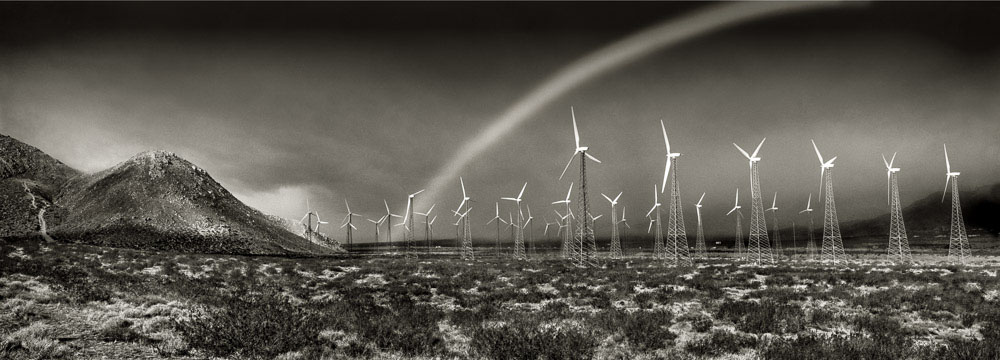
(155, 200)
(980, 209)
(30, 180)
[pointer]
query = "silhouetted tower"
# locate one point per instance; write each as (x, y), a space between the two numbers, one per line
(616, 247)
(741, 252)
(587, 246)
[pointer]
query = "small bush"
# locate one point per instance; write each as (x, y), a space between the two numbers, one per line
(526, 340)
(766, 317)
(721, 342)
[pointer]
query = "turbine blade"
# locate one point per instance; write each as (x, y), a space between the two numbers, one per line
(699, 215)
(830, 162)
(887, 166)
(758, 147)
(386, 207)
(431, 209)
(666, 173)
(496, 206)
(665, 140)
(742, 151)
(522, 191)
(619, 195)
(822, 170)
(891, 161)
(650, 226)
(737, 197)
(945, 187)
(946, 161)
(353, 227)
(656, 196)
(463, 189)
(606, 197)
(650, 211)
(418, 192)
(817, 151)
(775, 200)
(591, 157)
(888, 182)
(568, 192)
(730, 211)
(576, 132)
(348, 206)
(809, 202)
(567, 166)
(702, 198)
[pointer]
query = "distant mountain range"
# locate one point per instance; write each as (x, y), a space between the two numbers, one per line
(931, 216)
(155, 200)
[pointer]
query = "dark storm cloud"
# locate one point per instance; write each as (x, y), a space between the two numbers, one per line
(366, 100)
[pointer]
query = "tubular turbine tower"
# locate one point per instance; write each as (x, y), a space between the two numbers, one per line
(677, 251)
(759, 247)
(958, 241)
(584, 241)
(899, 246)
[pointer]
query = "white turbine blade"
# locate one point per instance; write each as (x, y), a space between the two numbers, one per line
(529, 211)
(650, 211)
(666, 173)
(432, 220)
(699, 215)
(626, 224)
(596, 217)
(742, 151)
(406, 214)
(946, 161)
(656, 196)
(619, 195)
(945, 187)
(665, 140)
(348, 206)
(830, 162)
(560, 202)
(342, 226)
(381, 219)
(702, 198)
(576, 132)
(891, 161)
(304, 218)
(386, 207)
(460, 205)
(606, 197)
(886, 162)
(463, 189)
(353, 227)
(496, 207)
(507, 198)
(491, 221)
(431, 209)
(774, 202)
(522, 191)
(567, 166)
(730, 211)
(558, 214)
(817, 151)
(809, 202)
(346, 219)
(650, 226)
(569, 192)
(623, 212)
(888, 182)
(758, 147)
(418, 192)
(591, 157)
(822, 170)
(737, 197)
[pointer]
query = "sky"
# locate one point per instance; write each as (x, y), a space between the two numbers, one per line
(368, 101)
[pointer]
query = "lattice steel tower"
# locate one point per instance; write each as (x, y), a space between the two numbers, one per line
(811, 245)
(658, 249)
(738, 245)
(899, 247)
(776, 237)
(833, 243)
(616, 245)
(700, 250)
(759, 247)
(676, 246)
(585, 242)
(958, 242)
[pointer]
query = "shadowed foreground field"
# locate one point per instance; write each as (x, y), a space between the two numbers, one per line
(76, 301)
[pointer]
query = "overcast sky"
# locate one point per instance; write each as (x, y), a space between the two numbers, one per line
(368, 101)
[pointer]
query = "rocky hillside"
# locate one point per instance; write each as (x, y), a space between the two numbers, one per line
(155, 200)
(980, 208)
(30, 180)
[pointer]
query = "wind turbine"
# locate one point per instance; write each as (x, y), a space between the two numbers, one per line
(759, 249)
(408, 222)
(307, 222)
(811, 245)
(349, 223)
(512, 226)
(467, 250)
(567, 246)
(585, 231)
(376, 224)
(463, 219)
(677, 248)
(616, 246)
(499, 220)
(899, 246)
(627, 227)
(658, 250)
(427, 227)
(388, 222)
(531, 232)
(699, 246)
(739, 224)
(833, 244)
(519, 236)
(958, 241)
(777, 235)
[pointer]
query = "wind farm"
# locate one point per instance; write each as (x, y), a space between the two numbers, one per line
(284, 117)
